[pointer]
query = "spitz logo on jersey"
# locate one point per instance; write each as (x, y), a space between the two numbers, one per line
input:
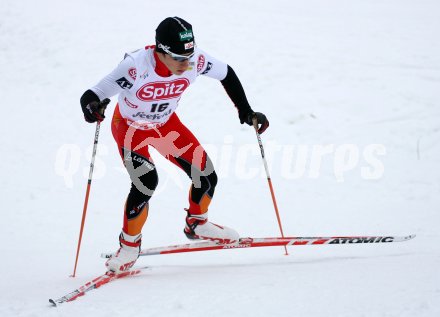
(132, 73)
(161, 90)
(200, 63)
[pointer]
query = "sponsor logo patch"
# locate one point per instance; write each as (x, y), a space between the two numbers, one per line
(208, 68)
(124, 83)
(186, 35)
(161, 90)
(236, 246)
(361, 240)
(134, 157)
(200, 63)
(145, 74)
(152, 116)
(189, 45)
(132, 73)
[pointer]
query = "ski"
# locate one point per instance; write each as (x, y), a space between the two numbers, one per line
(211, 245)
(93, 284)
(269, 242)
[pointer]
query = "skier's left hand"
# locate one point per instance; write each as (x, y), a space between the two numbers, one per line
(261, 120)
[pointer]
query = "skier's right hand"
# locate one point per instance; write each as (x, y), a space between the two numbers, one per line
(94, 111)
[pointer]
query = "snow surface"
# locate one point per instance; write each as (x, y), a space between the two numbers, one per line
(358, 79)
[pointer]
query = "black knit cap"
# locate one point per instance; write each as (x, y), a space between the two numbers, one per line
(176, 34)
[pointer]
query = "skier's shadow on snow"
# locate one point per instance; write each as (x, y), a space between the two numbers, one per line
(285, 261)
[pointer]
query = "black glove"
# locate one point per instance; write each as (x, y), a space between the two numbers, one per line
(248, 119)
(94, 111)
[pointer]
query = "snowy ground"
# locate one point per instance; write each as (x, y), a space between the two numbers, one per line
(356, 79)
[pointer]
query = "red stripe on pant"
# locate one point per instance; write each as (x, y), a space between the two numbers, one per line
(176, 143)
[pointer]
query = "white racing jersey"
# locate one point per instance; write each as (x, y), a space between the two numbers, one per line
(147, 100)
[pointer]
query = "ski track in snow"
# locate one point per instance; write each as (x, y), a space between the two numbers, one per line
(350, 72)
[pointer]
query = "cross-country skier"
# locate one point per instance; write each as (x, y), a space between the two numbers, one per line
(150, 83)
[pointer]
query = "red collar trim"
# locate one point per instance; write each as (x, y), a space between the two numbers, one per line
(161, 69)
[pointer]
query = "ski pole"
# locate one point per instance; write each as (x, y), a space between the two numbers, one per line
(272, 193)
(101, 110)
